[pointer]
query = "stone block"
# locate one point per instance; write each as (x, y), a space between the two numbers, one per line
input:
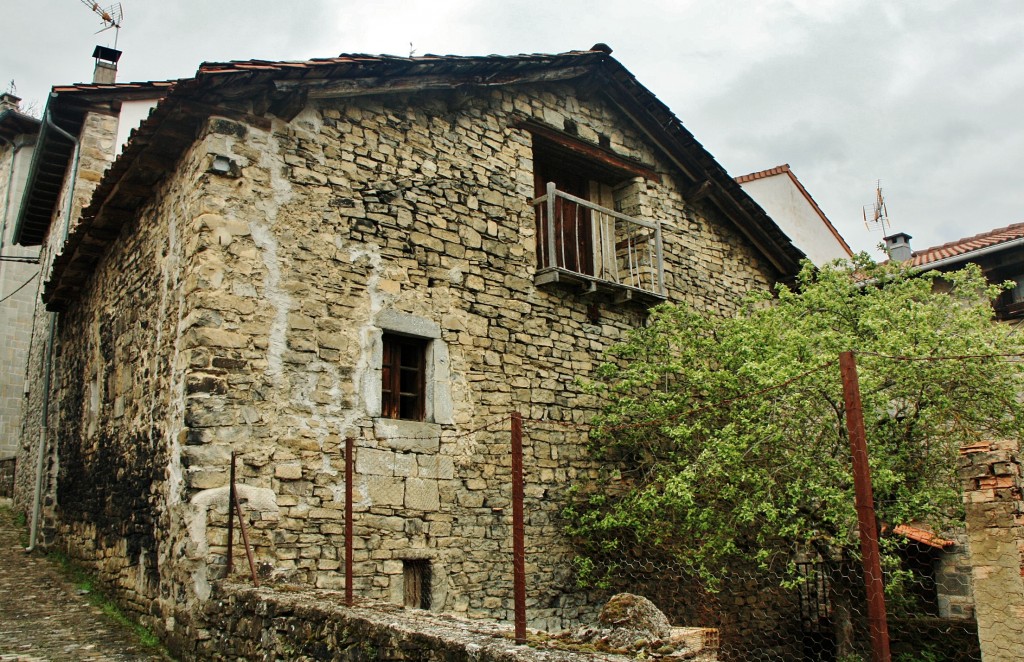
(436, 466)
(406, 465)
(414, 436)
(211, 337)
(385, 491)
(422, 494)
(288, 471)
(375, 462)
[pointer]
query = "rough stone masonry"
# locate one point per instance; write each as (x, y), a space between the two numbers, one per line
(244, 307)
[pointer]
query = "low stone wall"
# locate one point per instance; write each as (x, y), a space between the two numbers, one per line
(308, 624)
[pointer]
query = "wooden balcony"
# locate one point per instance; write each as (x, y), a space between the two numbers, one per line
(579, 242)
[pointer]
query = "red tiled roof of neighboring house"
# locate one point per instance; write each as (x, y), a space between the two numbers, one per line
(964, 247)
(784, 169)
(770, 172)
(923, 536)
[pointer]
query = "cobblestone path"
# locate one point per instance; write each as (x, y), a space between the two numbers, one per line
(43, 616)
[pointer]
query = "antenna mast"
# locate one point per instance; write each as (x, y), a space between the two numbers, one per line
(110, 16)
(879, 215)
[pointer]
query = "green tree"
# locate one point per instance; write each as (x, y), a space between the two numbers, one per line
(724, 438)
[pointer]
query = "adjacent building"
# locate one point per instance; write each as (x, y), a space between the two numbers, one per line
(999, 252)
(789, 204)
(19, 276)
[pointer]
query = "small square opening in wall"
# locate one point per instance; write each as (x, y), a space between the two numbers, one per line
(417, 583)
(403, 378)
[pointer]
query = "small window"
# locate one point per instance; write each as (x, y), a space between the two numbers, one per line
(417, 583)
(1016, 295)
(403, 378)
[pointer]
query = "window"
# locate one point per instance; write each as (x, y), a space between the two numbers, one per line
(403, 378)
(416, 575)
(1010, 303)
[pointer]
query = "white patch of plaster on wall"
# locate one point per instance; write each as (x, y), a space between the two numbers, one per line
(170, 280)
(264, 239)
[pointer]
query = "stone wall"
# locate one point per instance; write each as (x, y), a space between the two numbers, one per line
(244, 311)
(97, 139)
(18, 286)
(121, 379)
(953, 579)
(991, 475)
(36, 452)
(250, 624)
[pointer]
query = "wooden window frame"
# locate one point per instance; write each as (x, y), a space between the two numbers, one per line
(404, 356)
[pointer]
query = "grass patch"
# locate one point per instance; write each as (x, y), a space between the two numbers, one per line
(86, 582)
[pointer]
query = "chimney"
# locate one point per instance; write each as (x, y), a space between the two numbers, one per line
(106, 65)
(898, 247)
(9, 102)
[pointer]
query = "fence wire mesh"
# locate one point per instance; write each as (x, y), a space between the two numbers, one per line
(796, 604)
(807, 608)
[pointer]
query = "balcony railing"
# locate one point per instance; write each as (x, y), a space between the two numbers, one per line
(578, 240)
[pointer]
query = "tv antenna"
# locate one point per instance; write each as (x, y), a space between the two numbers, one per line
(879, 219)
(111, 16)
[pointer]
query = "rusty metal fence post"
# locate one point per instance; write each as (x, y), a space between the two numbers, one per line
(234, 506)
(231, 516)
(864, 498)
(518, 543)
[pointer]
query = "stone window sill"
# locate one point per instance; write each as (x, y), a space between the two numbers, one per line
(414, 436)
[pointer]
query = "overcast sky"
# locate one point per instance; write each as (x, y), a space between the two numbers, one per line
(925, 95)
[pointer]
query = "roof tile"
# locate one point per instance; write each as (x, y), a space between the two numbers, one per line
(968, 244)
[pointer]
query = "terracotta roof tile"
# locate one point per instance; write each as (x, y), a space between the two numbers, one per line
(968, 244)
(770, 172)
(923, 536)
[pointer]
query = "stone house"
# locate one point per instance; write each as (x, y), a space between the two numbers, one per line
(402, 251)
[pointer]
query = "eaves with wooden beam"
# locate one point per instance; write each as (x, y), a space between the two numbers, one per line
(281, 88)
(706, 178)
(66, 109)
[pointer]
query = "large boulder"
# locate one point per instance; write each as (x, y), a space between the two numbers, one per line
(631, 625)
(637, 614)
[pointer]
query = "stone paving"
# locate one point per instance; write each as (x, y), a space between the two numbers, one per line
(45, 617)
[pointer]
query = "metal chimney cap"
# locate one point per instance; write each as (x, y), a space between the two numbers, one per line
(898, 235)
(107, 54)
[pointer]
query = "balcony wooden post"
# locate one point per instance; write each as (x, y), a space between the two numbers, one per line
(552, 260)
